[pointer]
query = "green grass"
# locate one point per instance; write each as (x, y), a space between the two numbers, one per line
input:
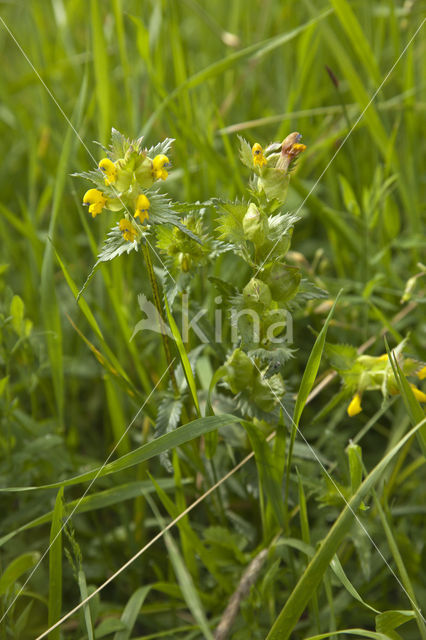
(72, 380)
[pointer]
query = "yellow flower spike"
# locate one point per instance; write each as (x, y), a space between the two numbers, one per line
(96, 200)
(142, 206)
(108, 167)
(419, 395)
(421, 374)
(259, 159)
(355, 406)
(127, 229)
(158, 169)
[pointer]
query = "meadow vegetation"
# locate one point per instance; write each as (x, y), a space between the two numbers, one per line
(312, 437)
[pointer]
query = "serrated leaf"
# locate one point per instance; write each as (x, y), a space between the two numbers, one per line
(341, 356)
(226, 289)
(246, 155)
(168, 417)
(281, 223)
(230, 225)
(96, 176)
(162, 147)
(119, 145)
(309, 291)
(115, 245)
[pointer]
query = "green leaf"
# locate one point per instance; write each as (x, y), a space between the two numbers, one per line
(338, 570)
(95, 501)
(246, 155)
(87, 608)
(115, 245)
(230, 225)
(55, 566)
(164, 443)
(362, 633)
(311, 368)
(17, 312)
(131, 612)
(340, 356)
(161, 147)
(183, 358)
(388, 621)
(16, 568)
(108, 626)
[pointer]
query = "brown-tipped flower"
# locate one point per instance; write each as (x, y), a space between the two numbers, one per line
(291, 147)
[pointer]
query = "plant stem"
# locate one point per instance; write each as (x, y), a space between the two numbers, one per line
(157, 302)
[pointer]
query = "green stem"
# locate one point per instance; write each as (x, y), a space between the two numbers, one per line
(157, 302)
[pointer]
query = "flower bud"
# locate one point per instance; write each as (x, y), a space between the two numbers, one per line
(274, 183)
(143, 172)
(185, 262)
(283, 280)
(255, 225)
(274, 322)
(276, 250)
(240, 371)
(256, 293)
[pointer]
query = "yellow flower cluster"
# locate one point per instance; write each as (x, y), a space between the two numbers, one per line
(127, 176)
(377, 369)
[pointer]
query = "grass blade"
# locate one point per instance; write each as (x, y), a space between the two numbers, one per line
(301, 594)
(186, 365)
(131, 612)
(55, 566)
(164, 443)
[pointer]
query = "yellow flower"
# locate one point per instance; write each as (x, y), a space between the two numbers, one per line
(355, 405)
(127, 229)
(422, 373)
(419, 395)
(96, 200)
(158, 169)
(298, 148)
(110, 170)
(259, 159)
(142, 206)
